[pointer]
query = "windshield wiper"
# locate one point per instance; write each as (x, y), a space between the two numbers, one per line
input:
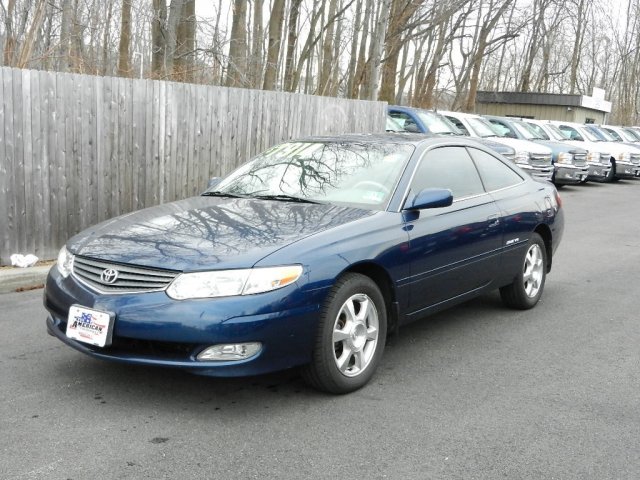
(284, 198)
(222, 194)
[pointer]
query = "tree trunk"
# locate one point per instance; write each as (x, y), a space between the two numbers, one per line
(66, 27)
(327, 51)
(183, 57)
(292, 39)
(273, 49)
(104, 62)
(361, 62)
(124, 68)
(237, 68)
(377, 45)
(175, 15)
(158, 37)
(36, 24)
(255, 70)
(401, 12)
(10, 40)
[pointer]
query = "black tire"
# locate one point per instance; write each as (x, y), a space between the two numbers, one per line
(524, 292)
(611, 176)
(323, 372)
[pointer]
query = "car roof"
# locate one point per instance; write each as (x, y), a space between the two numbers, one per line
(415, 139)
(459, 114)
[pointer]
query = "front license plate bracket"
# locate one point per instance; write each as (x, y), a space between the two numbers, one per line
(87, 325)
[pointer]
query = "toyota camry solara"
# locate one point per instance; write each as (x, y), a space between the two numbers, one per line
(308, 255)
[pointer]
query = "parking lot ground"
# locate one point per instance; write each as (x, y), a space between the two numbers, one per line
(477, 392)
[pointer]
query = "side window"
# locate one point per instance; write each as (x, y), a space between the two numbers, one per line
(571, 133)
(503, 129)
(494, 173)
(458, 124)
(405, 120)
(448, 167)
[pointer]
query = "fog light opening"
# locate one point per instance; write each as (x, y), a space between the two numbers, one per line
(229, 352)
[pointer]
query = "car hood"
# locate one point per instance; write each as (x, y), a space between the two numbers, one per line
(589, 146)
(203, 233)
(523, 145)
(615, 148)
(560, 146)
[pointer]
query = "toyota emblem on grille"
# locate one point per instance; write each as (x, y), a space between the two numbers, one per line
(109, 275)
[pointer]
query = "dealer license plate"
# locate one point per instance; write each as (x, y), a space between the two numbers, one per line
(90, 326)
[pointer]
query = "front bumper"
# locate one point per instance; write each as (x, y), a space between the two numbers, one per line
(625, 170)
(570, 174)
(598, 171)
(541, 173)
(152, 329)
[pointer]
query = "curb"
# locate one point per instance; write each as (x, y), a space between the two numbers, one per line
(18, 279)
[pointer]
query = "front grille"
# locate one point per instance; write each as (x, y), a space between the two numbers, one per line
(635, 158)
(605, 158)
(130, 279)
(580, 159)
(540, 160)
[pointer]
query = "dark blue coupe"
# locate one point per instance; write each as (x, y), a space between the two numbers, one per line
(308, 255)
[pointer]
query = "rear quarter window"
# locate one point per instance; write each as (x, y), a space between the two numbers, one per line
(494, 173)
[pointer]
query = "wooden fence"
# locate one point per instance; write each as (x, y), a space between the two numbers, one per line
(78, 149)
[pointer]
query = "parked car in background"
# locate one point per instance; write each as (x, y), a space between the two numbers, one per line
(598, 162)
(416, 120)
(620, 135)
(570, 162)
(393, 126)
(531, 157)
(307, 256)
(633, 133)
(621, 166)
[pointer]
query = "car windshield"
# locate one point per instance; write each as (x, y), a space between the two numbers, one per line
(589, 135)
(524, 130)
(619, 136)
(602, 133)
(541, 134)
(633, 135)
(554, 132)
(483, 128)
(436, 124)
(346, 173)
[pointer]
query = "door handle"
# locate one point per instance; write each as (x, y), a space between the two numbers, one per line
(494, 220)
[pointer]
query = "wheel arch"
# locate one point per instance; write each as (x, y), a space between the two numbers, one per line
(545, 232)
(382, 279)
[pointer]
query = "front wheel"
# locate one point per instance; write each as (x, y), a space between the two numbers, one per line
(351, 336)
(611, 176)
(527, 287)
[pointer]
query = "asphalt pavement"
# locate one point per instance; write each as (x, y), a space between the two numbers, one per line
(477, 392)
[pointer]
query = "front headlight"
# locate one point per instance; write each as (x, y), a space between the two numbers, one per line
(226, 283)
(65, 262)
(565, 158)
(522, 158)
(593, 157)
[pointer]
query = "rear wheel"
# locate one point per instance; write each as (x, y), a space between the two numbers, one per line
(351, 336)
(527, 287)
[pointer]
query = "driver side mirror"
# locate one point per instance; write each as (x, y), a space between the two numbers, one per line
(430, 198)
